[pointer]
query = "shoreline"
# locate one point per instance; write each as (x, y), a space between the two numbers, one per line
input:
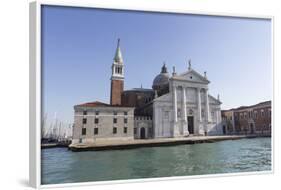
(137, 143)
(54, 145)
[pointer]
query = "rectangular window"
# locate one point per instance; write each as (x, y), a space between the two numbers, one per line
(114, 130)
(202, 113)
(150, 131)
(135, 131)
(213, 115)
(114, 120)
(84, 120)
(166, 115)
(125, 129)
(96, 120)
(125, 120)
(115, 113)
(83, 131)
(179, 112)
(125, 113)
(97, 112)
(96, 131)
(84, 112)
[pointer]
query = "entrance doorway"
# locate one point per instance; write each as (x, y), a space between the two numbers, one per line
(142, 133)
(224, 129)
(190, 124)
(251, 128)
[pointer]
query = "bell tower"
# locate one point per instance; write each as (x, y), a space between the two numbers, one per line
(117, 77)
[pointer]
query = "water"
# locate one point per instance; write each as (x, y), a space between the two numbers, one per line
(60, 165)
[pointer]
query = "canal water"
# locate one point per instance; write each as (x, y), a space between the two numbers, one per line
(60, 165)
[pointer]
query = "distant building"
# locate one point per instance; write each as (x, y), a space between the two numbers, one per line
(176, 106)
(255, 119)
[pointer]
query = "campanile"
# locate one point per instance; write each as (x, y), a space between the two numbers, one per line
(117, 77)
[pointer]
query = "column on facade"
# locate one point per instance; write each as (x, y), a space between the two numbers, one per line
(208, 118)
(199, 104)
(233, 122)
(175, 104)
(217, 116)
(184, 116)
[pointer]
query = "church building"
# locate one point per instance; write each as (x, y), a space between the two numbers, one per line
(176, 106)
(187, 108)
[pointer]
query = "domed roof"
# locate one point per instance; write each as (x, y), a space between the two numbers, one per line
(162, 78)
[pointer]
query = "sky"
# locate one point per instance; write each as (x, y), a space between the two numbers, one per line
(78, 46)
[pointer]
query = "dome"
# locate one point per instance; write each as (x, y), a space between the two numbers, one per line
(161, 79)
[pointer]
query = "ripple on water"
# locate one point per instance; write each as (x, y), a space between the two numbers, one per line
(62, 166)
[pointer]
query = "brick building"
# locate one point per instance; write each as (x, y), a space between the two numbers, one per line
(255, 119)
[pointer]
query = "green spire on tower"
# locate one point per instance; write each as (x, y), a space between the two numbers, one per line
(118, 55)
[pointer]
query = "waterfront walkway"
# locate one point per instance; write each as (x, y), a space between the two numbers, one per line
(137, 143)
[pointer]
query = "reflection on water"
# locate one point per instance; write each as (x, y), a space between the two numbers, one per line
(60, 165)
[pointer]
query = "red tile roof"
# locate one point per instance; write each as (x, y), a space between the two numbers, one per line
(94, 104)
(251, 106)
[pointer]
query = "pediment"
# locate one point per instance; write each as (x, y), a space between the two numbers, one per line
(213, 100)
(166, 97)
(192, 76)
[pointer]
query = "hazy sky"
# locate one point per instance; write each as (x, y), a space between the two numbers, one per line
(78, 46)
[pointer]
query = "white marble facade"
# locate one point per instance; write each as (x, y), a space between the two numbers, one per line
(187, 109)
